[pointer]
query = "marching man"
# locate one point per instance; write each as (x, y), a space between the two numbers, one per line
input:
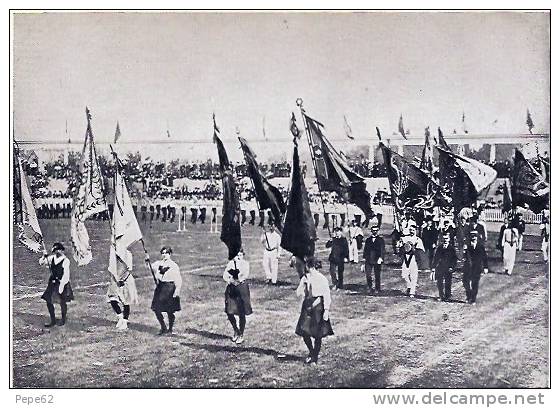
(476, 262)
(444, 262)
(374, 251)
(408, 247)
(58, 289)
(271, 243)
(355, 232)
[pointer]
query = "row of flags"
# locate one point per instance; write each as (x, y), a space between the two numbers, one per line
(461, 180)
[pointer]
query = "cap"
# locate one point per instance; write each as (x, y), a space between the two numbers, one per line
(57, 246)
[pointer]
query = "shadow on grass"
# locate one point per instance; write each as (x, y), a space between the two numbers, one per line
(216, 348)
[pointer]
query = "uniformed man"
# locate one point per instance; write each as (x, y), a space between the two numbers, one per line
(339, 252)
(408, 245)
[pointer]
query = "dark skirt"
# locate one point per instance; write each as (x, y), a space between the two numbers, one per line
(238, 299)
(51, 294)
(311, 321)
(163, 298)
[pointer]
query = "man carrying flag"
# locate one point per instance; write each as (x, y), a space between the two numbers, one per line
(124, 232)
(88, 200)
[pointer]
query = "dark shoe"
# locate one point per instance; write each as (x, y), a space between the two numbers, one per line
(51, 324)
(61, 322)
(407, 291)
(162, 331)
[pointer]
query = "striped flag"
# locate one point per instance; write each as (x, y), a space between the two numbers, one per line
(88, 200)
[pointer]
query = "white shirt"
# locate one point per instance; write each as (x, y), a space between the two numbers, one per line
(173, 274)
(318, 284)
(242, 265)
(271, 241)
(355, 231)
(46, 261)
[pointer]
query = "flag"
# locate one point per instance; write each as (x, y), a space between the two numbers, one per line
(545, 168)
(30, 234)
(88, 200)
(347, 129)
(124, 227)
(427, 162)
(530, 122)
(529, 186)
(168, 134)
(117, 132)
(293, 127)
(464, 125)
(231, 228)
(441, 141)
(410, 187)
(267, 196)
(463, 178)
(506, 201)
(401, 127)
(299, 233)
(333, 173)
(263, 126)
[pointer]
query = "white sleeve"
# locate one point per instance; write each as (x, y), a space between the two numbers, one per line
(178, 279)
(300, 291)
(44, 260)
(66, 274)
(226, 276)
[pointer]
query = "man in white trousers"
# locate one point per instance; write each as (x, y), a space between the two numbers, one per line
(271, 242)
(354, 231)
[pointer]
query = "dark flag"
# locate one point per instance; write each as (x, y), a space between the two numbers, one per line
(231, 228)
(530, 122)
(545, 168)
(299, 234)
(506, 201)
(293, 127)
(463, 178)
(441, 141)
(529, 186)
(117, 132)
(427, 162)
(410, 187)
(464, 124)
(333, 173)
(266, 194)
(401, 127)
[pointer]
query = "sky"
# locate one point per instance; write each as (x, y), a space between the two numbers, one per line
(158, 71)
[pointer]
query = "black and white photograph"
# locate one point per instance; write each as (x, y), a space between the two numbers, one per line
(280, 199)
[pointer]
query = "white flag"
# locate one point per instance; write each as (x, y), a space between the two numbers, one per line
(480, 174)
(30, 233)
(88, 200)
(125, 228)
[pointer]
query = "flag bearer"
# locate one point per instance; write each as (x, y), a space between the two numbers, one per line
(409, 244)
(237, 295)
(314, 321)
(58, 289)
(166, 296)
(271, 243)
(122, 288)
(545, 234)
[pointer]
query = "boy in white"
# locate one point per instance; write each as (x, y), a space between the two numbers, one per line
(354, 231)
(271, 243)
(408, 245)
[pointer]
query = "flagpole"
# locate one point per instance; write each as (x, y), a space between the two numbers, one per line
(299, 103)
(253, 184)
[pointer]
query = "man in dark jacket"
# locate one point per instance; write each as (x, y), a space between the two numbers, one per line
(445, 260)
(476, 262)
(429, 238)
(374, 252)
(339, 252)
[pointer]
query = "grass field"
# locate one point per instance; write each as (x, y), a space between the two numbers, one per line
(387, 340)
